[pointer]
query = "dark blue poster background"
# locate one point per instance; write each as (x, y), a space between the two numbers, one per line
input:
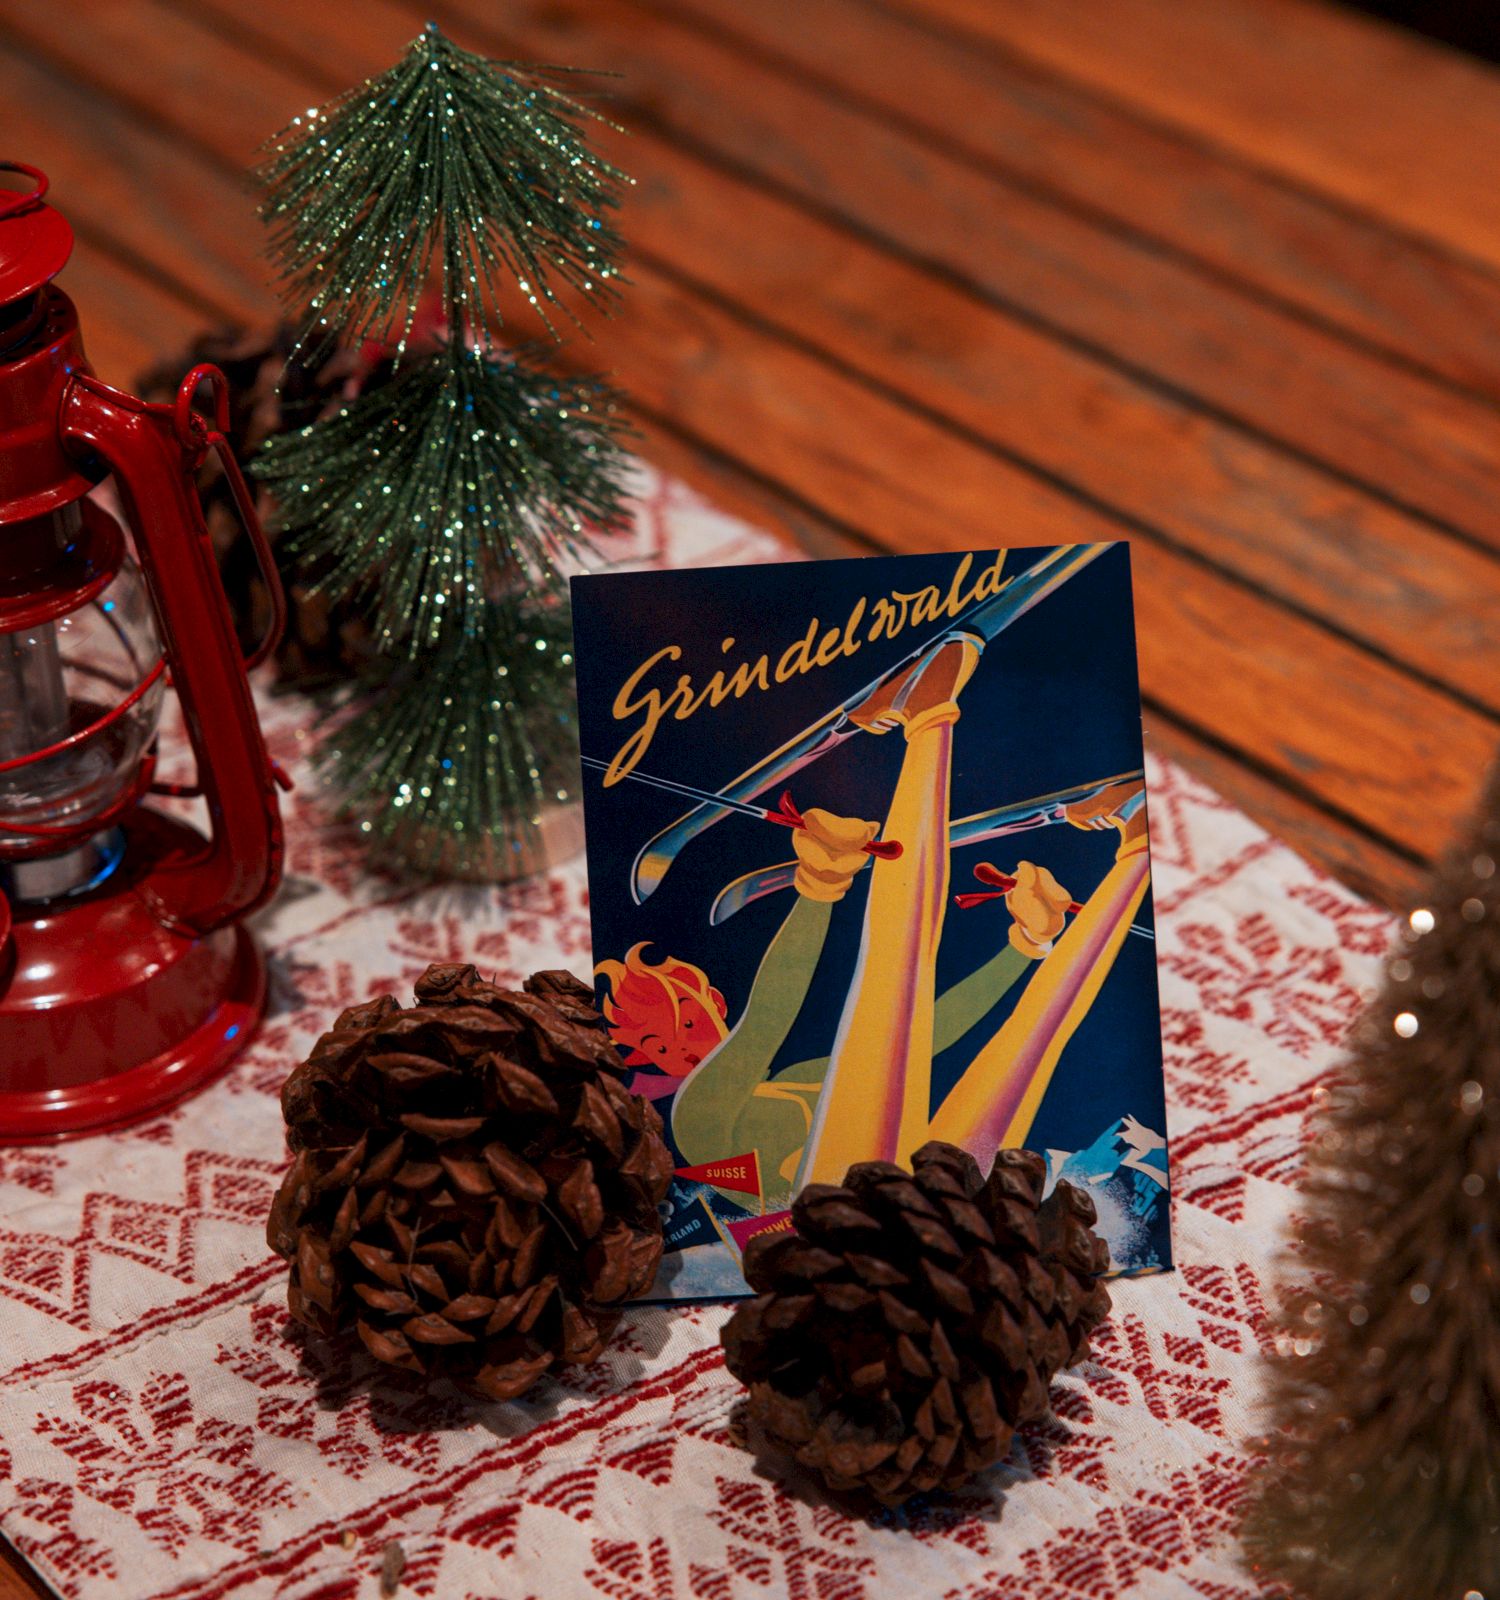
(1054, 702)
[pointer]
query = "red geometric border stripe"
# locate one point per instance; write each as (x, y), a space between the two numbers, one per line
(240, 1287)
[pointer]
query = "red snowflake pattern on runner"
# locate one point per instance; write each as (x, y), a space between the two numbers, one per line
(180, 1475)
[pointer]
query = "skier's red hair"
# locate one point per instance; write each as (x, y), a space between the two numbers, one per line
(658, 998)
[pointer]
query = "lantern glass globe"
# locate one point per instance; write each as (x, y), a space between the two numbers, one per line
(77, 712)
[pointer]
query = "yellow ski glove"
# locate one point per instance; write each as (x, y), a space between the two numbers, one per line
(1039, 904)
(830, 850)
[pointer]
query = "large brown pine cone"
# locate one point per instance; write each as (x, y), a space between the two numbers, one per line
(274, 389)
(913, 1320)
(474, 1188)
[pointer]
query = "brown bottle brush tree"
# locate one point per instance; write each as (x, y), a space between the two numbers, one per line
(1381, 1469)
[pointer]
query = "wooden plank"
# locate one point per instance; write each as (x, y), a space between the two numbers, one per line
(1416, 441)
(95, 153)
(1409, 437)
(201, 240)
(729, 486)
(1213, 653)
(1347, 106)
(223, 100)
(1346, 726)
(129, 322)
(971, 94)
(1381, 576)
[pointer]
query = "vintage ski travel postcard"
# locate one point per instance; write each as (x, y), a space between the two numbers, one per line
(868, 865)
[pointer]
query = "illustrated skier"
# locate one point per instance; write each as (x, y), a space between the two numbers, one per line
(727, 1101)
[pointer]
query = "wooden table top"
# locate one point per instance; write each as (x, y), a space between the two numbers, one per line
(1223, 280)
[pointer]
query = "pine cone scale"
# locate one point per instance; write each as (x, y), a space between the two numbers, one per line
(513, 1175)
(519, 1090)
(379, 1170)
(440, 1128)
(396, 1301)
(467, 1175)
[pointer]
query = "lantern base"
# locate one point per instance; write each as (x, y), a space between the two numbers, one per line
(106, 1016)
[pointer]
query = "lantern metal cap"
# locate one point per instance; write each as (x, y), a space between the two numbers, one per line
(35, 240)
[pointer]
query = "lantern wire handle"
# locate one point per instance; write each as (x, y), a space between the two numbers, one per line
(197, 437)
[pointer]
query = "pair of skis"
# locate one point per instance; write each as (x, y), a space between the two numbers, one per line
(1020, 816)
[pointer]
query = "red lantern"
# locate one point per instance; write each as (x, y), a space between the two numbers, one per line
(126, 977)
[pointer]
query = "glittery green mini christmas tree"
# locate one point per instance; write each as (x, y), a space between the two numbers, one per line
(447, 499)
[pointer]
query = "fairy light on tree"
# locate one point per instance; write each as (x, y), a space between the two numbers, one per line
(447, 499)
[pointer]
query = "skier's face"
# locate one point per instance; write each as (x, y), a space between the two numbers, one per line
(674, 1046)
